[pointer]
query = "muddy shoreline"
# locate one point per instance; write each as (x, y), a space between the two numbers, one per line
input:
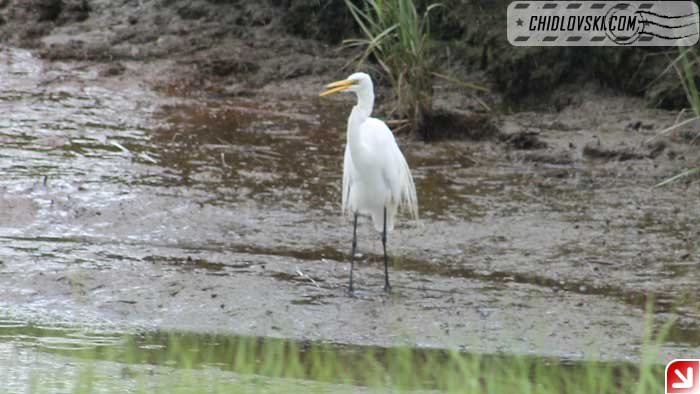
(232, 224)
(143, 191)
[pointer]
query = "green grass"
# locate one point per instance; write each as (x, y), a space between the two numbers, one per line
(687, 67)
(398, 38)
(200, 363)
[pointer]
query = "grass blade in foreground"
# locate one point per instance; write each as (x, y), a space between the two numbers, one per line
(205, 363)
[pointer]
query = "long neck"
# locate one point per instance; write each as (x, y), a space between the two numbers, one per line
(365, 101)
(360, 113)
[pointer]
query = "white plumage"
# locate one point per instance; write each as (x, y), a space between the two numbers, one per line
(376, 175)
(376, 178)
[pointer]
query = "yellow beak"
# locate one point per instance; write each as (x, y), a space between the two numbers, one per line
(338, 86)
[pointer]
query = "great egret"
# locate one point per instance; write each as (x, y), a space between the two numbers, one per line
(376, 177)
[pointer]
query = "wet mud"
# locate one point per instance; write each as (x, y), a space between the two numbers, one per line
(138, 209)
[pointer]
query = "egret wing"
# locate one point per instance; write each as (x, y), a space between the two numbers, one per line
(395, 171)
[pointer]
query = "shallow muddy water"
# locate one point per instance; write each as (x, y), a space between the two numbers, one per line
(60, 358)
(67, 359)
(133, 209)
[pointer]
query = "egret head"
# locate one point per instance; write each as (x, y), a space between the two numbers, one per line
(359, 83)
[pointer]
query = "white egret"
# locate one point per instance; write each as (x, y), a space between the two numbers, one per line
(376, 177)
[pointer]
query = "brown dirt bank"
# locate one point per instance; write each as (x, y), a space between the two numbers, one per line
(237, 46)
(232, 47)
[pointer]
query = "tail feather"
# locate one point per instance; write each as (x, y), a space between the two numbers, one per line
(409, 200)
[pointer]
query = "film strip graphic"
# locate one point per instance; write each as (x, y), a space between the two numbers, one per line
(596, 23)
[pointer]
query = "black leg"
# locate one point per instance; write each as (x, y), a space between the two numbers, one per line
(354, 246)
(387, 286)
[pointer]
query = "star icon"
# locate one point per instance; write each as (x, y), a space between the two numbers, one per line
(519, 22)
